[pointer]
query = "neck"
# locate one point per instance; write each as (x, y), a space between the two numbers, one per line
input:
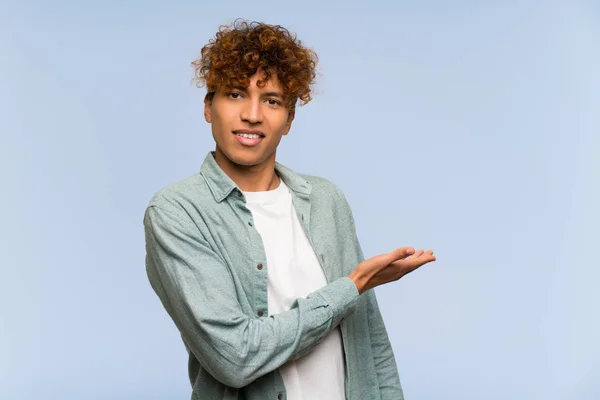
(250, 178)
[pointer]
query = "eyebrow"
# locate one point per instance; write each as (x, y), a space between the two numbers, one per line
(245, 90)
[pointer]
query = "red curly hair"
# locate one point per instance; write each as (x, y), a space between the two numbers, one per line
(240, 49)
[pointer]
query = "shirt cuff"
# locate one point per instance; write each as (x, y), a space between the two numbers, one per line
(342, 296)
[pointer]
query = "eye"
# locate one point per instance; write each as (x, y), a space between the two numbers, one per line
(234, 95)
(273, 102)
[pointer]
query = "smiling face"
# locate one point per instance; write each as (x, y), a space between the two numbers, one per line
(237, 112)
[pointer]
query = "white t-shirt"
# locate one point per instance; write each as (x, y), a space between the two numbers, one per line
(294, 272)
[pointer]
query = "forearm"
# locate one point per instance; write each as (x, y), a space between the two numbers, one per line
(234, 347)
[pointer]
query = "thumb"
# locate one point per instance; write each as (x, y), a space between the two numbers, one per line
(382, 260)
(400, 253)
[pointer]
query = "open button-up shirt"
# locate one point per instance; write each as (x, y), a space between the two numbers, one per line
(207, 264)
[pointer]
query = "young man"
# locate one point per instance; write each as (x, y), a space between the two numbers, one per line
(260, 267)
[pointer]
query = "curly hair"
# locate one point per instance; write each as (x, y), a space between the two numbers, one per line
(240, 49)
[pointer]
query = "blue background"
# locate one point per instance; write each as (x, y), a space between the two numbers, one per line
(470, 128)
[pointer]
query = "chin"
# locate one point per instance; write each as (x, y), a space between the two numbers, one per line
(246, 161)
(243, 157)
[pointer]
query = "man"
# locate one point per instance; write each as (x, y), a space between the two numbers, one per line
(260, 267)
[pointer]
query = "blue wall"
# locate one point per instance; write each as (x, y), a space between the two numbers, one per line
(470, 129)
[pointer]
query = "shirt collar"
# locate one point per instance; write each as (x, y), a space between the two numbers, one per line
(221, 185)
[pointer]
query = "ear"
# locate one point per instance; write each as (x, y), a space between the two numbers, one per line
(207, 110)
(288, 124)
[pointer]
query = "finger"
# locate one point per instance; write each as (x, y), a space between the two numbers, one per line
(417, 254)
(399, 254)
(413, 263)
(429, 254)
(425, 254)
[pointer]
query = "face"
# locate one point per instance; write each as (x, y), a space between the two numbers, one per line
(237, 112)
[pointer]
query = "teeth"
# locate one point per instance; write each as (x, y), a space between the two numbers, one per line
(248, 136)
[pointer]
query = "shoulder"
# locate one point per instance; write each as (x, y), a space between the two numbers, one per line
(176, 196)
(327, 190)
(322, 184)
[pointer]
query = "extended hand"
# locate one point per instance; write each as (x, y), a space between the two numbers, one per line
(389, 267)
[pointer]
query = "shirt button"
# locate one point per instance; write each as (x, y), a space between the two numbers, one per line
(250, 223)
(260, 313)
(280, 396)
(259, 266)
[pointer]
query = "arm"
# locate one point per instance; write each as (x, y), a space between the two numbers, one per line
(383, 356)
(196, 289)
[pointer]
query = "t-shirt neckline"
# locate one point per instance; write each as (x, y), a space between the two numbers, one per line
(267, 196)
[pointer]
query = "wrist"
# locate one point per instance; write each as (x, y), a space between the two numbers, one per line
(359, 280)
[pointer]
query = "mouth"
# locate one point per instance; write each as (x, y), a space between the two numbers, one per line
(249, 133)
(248, 137)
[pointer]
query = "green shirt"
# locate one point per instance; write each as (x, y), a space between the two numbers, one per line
(206, 262)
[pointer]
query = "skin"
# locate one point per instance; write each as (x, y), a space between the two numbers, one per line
(253, 168)
(389, 267)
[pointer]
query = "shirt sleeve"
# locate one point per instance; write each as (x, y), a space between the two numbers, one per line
(198, 292)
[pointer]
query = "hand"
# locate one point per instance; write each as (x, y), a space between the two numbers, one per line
(389, 267)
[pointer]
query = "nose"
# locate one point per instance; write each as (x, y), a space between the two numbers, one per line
(252, 112)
